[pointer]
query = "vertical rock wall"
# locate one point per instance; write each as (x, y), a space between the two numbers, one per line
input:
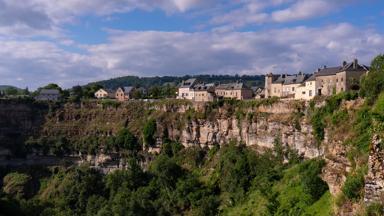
(374, 181)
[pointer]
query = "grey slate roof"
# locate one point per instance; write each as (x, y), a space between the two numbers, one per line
(291, 79)
(311, 78)
(127, 89)
(204, 87)
(49, 92)
(189, 83)
(328, 71)
(232, 86)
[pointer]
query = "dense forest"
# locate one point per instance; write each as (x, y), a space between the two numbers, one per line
(148, 82)
(229, 179)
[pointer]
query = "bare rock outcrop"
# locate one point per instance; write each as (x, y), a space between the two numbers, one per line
(374, 181)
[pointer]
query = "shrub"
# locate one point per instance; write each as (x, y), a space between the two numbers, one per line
(353, 186)
(375, 209)
(17, 185)
(372, 84)
(149, 131)
(339, 117)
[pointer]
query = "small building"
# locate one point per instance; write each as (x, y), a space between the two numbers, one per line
(105, 93)
(334, 80)
(283, 85)
(124, 93)
(307, 90)
(325, 81)
(48, 95)
(236, 90)
(186, 89)
(258, 92)
(204, 92)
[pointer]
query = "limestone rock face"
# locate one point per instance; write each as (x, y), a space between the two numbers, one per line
(260, 133)
(337, 166)
(374, 181)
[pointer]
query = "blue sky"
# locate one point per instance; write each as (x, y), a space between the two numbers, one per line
(75, 42)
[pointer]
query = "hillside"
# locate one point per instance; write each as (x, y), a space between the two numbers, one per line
(176, 157)
(147, 82)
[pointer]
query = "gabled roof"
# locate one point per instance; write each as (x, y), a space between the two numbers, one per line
(291, 79)
(126, 89)
(232, 86)
(109, 91)
(352, 66)
(328, 71)
(311, 78)
(189, 83)
(204, 87)
(49, 91)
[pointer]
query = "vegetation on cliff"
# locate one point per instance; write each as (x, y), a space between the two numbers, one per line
(179, 181)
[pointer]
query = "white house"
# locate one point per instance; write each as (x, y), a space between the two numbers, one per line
(104, 93)
(307, 90)
(186, 90)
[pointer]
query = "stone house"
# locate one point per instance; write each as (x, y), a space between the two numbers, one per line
(236, 90)
(186, 89)
(204, 92)
(284, 86)
(325, 81)
(48, 95)
(124, 93)
(105, 93)
(339, 79)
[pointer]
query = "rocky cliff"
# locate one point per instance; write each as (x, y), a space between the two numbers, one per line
(374, 181)
(86, 128)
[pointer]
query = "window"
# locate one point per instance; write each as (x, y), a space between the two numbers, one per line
(310, 93)
(293, 88)
(303, 92)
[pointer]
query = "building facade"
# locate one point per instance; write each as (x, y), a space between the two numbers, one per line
(124, 93)
(104, 93)
(237, 91)
(325, 81)
(48, 95)
(204, 92)
(186, 89)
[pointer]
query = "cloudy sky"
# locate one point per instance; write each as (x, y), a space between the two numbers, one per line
(74, 42)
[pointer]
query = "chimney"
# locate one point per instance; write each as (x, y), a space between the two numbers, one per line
(344, 63)
(318, 69)
(325, 66)
(355, 62)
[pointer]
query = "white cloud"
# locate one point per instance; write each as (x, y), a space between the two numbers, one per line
(149, 53)
(303, 9)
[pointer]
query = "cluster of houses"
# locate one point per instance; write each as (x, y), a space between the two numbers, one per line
(120, 94)
(325, 81)
(191, 89)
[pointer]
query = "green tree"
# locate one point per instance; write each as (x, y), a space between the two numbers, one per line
(11, 91)
(76, 93)
(373, 83)
(149, 131)
(126, 140)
